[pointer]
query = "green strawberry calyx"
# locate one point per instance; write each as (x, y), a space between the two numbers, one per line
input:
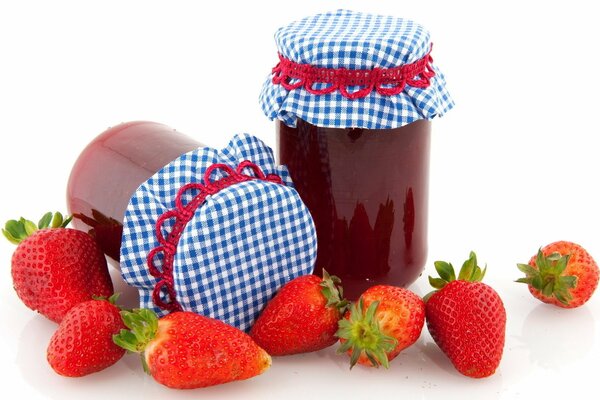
(333, 292)
(362, 334)
(143, 327)
(18, 230)
(113, 299)
(470, 272)
(548, 277)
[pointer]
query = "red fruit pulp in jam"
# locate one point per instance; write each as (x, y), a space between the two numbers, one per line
(111, 168)
(367, 191)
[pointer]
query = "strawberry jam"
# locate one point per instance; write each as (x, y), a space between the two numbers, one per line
(367, 192)
(111, 168)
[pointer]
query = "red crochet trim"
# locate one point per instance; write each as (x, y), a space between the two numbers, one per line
(385, 81)
(183, 213)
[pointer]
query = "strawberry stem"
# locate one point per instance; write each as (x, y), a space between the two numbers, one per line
(143, 327)
(548, 277)
(18, 230)
(469, 271)
(333, 292)
(112, 300)
(362, 334)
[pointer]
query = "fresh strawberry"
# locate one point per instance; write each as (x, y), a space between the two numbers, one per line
(185, 350)
(384, 321)
(302, 317)
(83, 342)
(562, 273)
(55, 268)
(466, 318)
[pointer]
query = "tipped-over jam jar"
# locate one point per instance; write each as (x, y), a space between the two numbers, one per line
(110, 169)
(354, 95)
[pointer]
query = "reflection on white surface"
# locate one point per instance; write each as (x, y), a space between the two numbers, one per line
(31, 360)
(31, 352)
(411, 374)
(543, 344)
(447, 382)
(556, 337)
(129, 295)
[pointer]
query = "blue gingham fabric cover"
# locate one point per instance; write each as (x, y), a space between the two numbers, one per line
(240, 247)
(354, 40)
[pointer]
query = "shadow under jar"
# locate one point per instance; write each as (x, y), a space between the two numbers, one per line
(367, 191)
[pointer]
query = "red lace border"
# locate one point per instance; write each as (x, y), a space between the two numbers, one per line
(182, 214)
(385, 81)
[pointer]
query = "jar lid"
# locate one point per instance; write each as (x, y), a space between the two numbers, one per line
(217, 233)
(347, 69)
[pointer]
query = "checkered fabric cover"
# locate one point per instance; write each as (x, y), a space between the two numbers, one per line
(353, 40)
(241, 246)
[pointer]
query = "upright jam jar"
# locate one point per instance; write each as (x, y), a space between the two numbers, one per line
(353, 96)
(111, 168)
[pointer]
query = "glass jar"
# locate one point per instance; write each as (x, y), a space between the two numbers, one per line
(111, 168)
(367, 191)
(354, 95)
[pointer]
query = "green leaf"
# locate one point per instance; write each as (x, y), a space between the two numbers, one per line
(370, 314)
(383, 358)
(16, 229)
(45, 221)
(114, 298)
(371, 357)
(437, 283)
(467, 271)
(126, 340)
(568, 281)
(379, 357)
(30, 227)
(561, 264)
(355, 356)
(540, 261)
(524, 280)
(150, 318)
(478, 274)
(554, 257)
(445, 270)
(129, 319)
(10, 237)
(527, 269)
(333, 292)
(482, 273)
(344, 347)
(145, 364)
(343, 333)
(537, 282)
(66, 221)
(57, 220)
(468, 268)
(563, 298)
(548, 288)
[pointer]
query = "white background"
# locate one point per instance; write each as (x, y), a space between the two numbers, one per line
(514, 166)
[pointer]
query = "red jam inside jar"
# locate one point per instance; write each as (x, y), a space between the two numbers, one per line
(367, 190)
(111, 168)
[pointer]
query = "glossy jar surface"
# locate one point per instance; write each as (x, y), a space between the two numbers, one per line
(111, 168)
(367, 191)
